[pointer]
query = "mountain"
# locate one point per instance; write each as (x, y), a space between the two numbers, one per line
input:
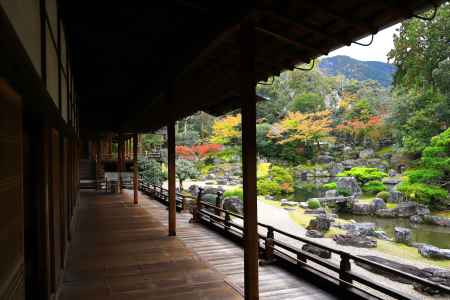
(356, 69)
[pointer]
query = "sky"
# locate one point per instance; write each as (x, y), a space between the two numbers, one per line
(382, 43)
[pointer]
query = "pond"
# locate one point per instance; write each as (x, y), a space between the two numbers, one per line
(307, 189)
(438, 236)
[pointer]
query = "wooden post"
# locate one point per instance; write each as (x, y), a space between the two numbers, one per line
(135, 168)
(171, 181)
(120, 161)
(248, 103)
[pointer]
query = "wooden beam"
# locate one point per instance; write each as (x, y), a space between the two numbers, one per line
(248, 98)
(135, 168)
(171, 175)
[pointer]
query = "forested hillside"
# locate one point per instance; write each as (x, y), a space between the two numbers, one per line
(360, 70)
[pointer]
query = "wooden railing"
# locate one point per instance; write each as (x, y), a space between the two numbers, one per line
(273, 248)
(149, 155)
(162, 194)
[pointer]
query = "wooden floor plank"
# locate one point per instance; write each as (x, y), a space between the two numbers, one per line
(121, 251)
(228, 258)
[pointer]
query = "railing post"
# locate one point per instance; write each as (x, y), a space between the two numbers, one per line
(345, 267)
(197, 207)
(269, 247)
(227, 221)
(301, 257)
(218, 203)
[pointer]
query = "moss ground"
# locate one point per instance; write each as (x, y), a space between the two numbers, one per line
(410, 253)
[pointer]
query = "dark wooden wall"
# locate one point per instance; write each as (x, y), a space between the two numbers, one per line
(12, 276)
(39, 156)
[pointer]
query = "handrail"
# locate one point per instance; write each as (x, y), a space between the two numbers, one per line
(344, 269)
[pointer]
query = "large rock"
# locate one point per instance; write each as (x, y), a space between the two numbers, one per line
(390, 183)
(392, 173)
(233, 204)
(396, 196)
(331, 194)
(361, 228)
(320, 223)
(402, 235)
(351, 239)
(362, 209)
(285, 202)
(366, 153)
(315, 211)
(387, 212)
(317, 251)
(349, 184)
(350, 163)
(430, 251)
(324, 159)
(378, 203)
(436, 220)
(422, 210)
(406, 209)
(335, 169)
(314, 233)
(210, 176)
(212, 190)
(193, 189)
(380, 234)
(416, 219)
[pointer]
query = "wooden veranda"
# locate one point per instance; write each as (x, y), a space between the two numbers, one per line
(76, 72)
(122, 251)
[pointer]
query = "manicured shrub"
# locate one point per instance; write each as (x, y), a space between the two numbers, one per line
(424, 175)
(430, 195)
(283, 178)
(313, 203)
(329, 186)
(209, 198)
(344, 192)
(268, 187)
(383, 195)
(373, 187)
(278, 180)
(237, 192)
(427, 183)
(364, 174)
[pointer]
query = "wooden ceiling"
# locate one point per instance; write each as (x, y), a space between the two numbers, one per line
(124, 56)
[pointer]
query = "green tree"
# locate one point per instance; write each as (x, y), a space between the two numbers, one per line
(151, 171)
(185, 169)
(430, 181)
(420, 108)
(307, 102)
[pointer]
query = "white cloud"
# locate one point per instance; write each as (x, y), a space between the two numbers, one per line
(382, 44)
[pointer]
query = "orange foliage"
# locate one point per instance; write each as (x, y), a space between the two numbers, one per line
(302, 127)
(199, 151)
(205, 149)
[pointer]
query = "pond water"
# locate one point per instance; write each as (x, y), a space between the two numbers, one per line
(438, 236)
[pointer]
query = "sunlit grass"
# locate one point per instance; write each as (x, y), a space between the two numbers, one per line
(407, 252)
(444, 213)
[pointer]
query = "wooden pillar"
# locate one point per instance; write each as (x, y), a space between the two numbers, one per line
(248, 103)
(135, 168)
(171, 181)
(120, 161)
